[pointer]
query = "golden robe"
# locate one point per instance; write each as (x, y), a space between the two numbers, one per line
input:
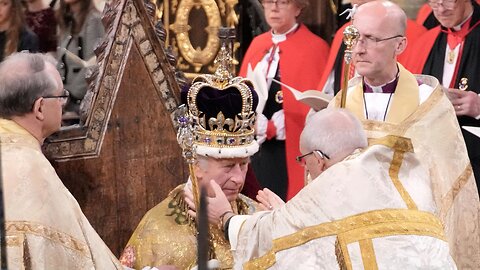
(166, 235)
(437, 139)
(45, 226)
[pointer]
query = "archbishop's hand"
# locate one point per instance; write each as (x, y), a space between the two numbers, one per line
(217, 205)
(268, 200)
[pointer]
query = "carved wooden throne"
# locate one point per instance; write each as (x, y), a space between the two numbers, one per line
(123, 158)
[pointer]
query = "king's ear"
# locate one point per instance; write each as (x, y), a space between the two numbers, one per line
(37, 109)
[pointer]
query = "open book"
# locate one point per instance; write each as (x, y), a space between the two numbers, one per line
(316, 99)
(474, 130)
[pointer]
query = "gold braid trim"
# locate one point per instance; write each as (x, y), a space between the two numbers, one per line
(400, 145)
(393, 173)
(341, 252)
(447, 200)
(368, 254)
(15, 230)
(368, 225)
(397, 143)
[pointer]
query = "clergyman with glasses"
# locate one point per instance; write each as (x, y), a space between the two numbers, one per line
(389, 99)
(45, 227)
(289, 53)
(352, 214)
(332, 81)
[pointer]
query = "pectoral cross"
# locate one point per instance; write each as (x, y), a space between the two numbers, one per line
(451, 56)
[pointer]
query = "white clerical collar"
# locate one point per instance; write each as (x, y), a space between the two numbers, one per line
(458, 27)
(379, 89)
(277, 38)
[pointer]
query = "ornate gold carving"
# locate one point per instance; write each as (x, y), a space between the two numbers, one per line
(196, 56)
(195, 60)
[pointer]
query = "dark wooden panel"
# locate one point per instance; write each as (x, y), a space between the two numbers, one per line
(139, 163)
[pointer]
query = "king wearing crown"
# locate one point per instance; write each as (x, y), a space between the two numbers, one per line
(217, 138)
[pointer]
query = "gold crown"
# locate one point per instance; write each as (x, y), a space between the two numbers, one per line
(229, 105)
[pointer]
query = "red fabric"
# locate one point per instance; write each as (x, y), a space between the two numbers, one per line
(455, 38)
(302, 59)
(413, 32)
(423, 14)
(271, 130)
(335, 47)
(417, 56)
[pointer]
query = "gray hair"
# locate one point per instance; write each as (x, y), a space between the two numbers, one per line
(334, 132)
(202, 162)
(23, 79)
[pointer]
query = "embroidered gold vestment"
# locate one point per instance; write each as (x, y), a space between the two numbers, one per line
(166, 235)
(45, 226)
(433, 128)
(373, 210)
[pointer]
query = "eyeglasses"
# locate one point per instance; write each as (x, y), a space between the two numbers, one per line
(301, 159)
(281, 4)
(446, 4)
(63, 98)
(371, 41)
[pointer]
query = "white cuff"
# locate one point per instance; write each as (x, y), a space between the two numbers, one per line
(234, 227)
(261, 128)
(278, 119)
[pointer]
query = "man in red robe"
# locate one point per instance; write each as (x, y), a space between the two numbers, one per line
(293, 55)
(451, 52)
(331, 81)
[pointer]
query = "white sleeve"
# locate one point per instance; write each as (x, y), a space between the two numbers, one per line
(234, 227)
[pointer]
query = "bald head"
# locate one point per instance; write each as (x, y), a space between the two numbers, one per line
(381, 25)
(385, 14)
(359, 2)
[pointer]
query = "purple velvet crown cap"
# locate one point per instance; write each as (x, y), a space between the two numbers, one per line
(211, 101)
